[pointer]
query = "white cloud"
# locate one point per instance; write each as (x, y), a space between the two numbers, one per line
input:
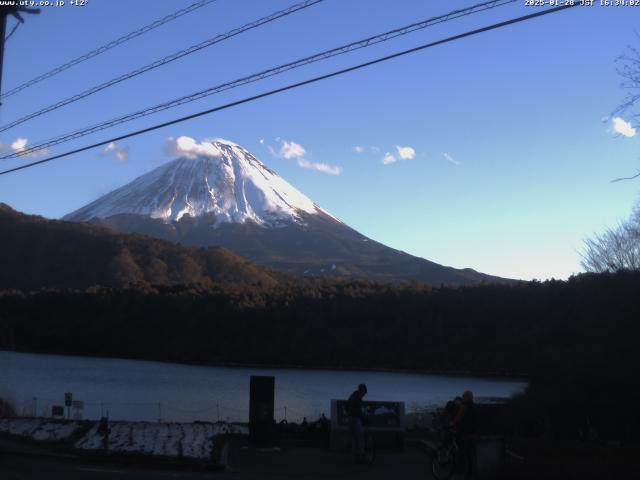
(320, 167)
(272, 151)
(388, 159)
(188, 147)
(405, 153)
(450, 159)
(19, 145)
(288, 149)
(291, 150)
(375, 149)
(358, 149)
(261, 141)
(402, 153)
(121, 153)
(623, 127)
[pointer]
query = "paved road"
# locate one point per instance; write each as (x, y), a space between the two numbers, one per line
(27, 468)
(311, 464)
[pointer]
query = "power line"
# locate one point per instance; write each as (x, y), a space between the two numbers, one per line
(163, 61)
(383, 37)
(296, 85)
(107, 46)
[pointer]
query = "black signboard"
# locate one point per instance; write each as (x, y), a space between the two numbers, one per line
(57, 411)
(261, 404)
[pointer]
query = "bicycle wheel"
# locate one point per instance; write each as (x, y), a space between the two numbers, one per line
(443, 464)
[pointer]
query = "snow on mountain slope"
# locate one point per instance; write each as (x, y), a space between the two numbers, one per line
(220, 184)
(218, 178)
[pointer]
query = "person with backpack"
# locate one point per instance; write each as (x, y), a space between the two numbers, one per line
(466, 427)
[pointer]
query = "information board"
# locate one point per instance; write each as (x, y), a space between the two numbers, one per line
(376, 414)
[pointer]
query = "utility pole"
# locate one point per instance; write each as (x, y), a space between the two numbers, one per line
(3, 34)
(5, 11)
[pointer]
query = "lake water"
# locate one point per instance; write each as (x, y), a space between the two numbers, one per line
(144, 390)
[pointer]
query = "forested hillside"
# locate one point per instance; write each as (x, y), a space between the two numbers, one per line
(36, 252)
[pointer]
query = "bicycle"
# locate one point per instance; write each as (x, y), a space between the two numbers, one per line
(446, 456)
(369, 449)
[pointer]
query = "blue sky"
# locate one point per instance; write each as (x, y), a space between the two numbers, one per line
(511, 148)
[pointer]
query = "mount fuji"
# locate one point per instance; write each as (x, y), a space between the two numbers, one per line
(218, 193)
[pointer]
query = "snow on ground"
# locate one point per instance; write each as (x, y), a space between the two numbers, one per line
(186, 440)
(39, 429)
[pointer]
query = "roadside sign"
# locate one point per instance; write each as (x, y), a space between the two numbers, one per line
(57, 411)
(68, 399)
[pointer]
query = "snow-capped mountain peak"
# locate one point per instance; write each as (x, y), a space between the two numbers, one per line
(218, 178)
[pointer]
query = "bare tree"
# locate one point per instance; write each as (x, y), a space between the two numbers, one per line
(619, 248)
(629, 71)
(615, 249)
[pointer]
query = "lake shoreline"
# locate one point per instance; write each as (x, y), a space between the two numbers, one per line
(451, 373)
(141, 390)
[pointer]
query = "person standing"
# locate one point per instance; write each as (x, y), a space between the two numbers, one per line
(466, 428)
(356, 426)
(103, 431)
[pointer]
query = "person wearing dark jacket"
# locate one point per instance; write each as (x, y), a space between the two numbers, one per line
(354, 412)
(466, 428)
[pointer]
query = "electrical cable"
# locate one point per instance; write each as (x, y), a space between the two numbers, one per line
(163, 61)
(296, 85)
(106, 47)
(383, 37)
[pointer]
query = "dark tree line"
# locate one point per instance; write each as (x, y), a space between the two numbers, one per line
(490, 328)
